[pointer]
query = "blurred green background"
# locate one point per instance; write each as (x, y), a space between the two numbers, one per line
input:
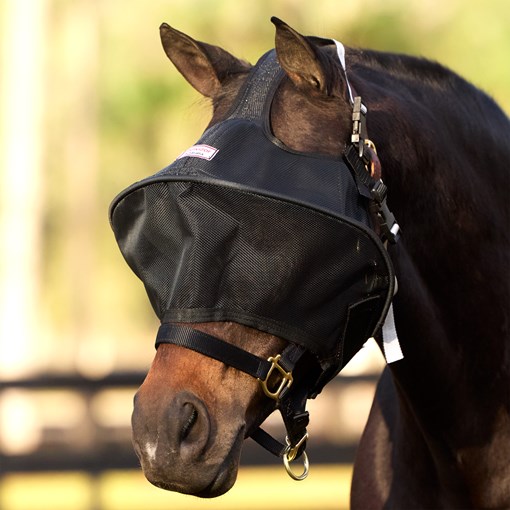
(90, 104)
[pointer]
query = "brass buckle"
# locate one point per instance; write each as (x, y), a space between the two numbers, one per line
(284, 383)
(290, 454)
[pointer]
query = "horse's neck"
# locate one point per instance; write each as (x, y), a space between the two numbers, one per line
(452, 307)
(453, 385)
(453, 205)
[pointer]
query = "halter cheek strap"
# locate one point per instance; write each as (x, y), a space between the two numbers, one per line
(362, 160)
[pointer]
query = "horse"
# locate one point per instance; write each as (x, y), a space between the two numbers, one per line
(438, 432)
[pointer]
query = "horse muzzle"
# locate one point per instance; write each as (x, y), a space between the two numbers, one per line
(179, 447)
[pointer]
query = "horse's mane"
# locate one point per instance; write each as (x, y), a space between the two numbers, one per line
(435, 87)
(419, 73)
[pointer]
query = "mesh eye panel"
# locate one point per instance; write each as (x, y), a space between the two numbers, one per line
(217, 253)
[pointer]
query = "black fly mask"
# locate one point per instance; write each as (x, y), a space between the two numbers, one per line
(241, 228)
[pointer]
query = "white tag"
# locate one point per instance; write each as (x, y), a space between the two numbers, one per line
(200, 151)
(391, 345)
(340, 49)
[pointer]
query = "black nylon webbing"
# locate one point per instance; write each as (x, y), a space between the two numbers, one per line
(363, 179)
(214, 348)
(268, 442)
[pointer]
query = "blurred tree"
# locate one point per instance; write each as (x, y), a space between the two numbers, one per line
(21, 183)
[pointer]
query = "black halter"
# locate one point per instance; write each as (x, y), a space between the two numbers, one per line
(275, 375)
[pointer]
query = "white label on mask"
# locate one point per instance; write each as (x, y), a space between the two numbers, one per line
(199, 151)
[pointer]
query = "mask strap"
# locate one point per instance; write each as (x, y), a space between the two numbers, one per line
(391, 345)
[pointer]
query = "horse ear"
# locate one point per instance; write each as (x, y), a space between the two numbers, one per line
(204, 66)
(298, 57)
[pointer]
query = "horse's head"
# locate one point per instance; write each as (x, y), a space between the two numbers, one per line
(237, 242)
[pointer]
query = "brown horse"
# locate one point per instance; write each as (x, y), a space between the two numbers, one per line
(438, 435)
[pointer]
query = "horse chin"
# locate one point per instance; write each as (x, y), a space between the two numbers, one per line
(224, 478)
(226, 474)
(201, 479)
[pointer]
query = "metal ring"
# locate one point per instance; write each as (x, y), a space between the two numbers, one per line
(306, 467)
(370, 144)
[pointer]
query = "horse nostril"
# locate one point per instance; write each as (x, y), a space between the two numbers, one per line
(189, 426)
(190, 415)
